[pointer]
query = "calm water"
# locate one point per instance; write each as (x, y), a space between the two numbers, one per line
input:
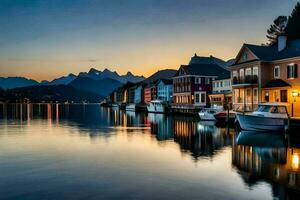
(89, 152)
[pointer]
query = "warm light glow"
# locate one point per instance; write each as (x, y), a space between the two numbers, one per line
(295, 94)
(295, 161)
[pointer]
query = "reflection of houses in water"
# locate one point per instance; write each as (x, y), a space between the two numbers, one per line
(272, 162)
(161, 126)
(200, 138)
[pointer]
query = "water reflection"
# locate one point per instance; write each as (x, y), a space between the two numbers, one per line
(200, 138)
(254, 158)
(268, 157)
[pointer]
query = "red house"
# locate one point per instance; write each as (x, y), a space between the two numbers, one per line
(192, 84)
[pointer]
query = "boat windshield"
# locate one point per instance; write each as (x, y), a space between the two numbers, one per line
(271, 109)
(263, 108)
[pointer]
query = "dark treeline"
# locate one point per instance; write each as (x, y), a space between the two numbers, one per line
(283, 25)
(53, 93)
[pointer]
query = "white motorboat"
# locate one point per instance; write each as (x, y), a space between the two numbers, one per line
(207, 114)
(267, 117)
(130, 107)
(156, 106)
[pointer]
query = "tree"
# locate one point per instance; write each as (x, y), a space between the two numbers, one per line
(276, 29)
(293, 25)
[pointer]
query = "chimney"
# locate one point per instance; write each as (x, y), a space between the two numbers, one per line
(281, 42)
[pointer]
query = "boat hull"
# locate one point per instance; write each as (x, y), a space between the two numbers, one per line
(257, 123)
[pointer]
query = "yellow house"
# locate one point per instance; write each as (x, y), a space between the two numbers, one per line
(267, 74)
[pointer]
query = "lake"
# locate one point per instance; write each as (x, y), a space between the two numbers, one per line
(52, 151)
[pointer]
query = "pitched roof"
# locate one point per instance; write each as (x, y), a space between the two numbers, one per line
(161, 74)
(271, 53)
(276, 83)
(205, 70)
(166, 81)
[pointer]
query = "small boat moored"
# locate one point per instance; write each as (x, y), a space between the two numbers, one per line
(207, 114)
(267, 117)
(157, 106)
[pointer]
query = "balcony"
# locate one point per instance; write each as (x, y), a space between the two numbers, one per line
(247, 80)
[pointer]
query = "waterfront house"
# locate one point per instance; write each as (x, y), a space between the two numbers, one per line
(267, 74)
(191, 85)
(222, 91)
(150, 92)
(165, 90)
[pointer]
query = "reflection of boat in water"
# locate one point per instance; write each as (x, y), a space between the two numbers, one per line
(207, 114)
(261, 139)
(156, 106)
(130, 107)
(114, 105)
(267, 117)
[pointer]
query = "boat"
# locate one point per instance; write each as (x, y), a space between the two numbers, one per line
(267, 117)
(225, 116)
(130, 107)
(156, 106)
(207, 114)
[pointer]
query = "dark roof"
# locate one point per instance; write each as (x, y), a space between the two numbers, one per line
(206, 70)
(166, 81)
(276, 83)
(271, 53)
(161, 74)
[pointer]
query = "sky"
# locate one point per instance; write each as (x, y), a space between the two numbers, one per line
(43, 40)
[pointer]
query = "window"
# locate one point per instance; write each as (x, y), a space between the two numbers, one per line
(255, 95)
(276, 72)
(200, 97)
(207, 81)
(248, 72)
(283, 95)
(241, 74)
(292, 71)
(203, 97)
(234, 74)
(255, 71)
(221, 84)
(217, 84)
(197, 97)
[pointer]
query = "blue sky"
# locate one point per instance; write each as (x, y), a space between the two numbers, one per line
(45, 39)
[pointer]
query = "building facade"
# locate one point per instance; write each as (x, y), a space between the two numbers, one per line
(150, 93)
(165, 90)
(192, 84)
(221, 93)
(267, 74)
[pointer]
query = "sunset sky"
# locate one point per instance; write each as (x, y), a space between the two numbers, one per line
(46, 39)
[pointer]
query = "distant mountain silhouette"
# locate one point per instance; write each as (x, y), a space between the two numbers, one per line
(161, 74)
(98, 75)
(101, 87)
(64, 80)
(49, 93)
(15, 82)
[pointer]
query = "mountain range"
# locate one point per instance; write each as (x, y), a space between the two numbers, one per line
(95, 81)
